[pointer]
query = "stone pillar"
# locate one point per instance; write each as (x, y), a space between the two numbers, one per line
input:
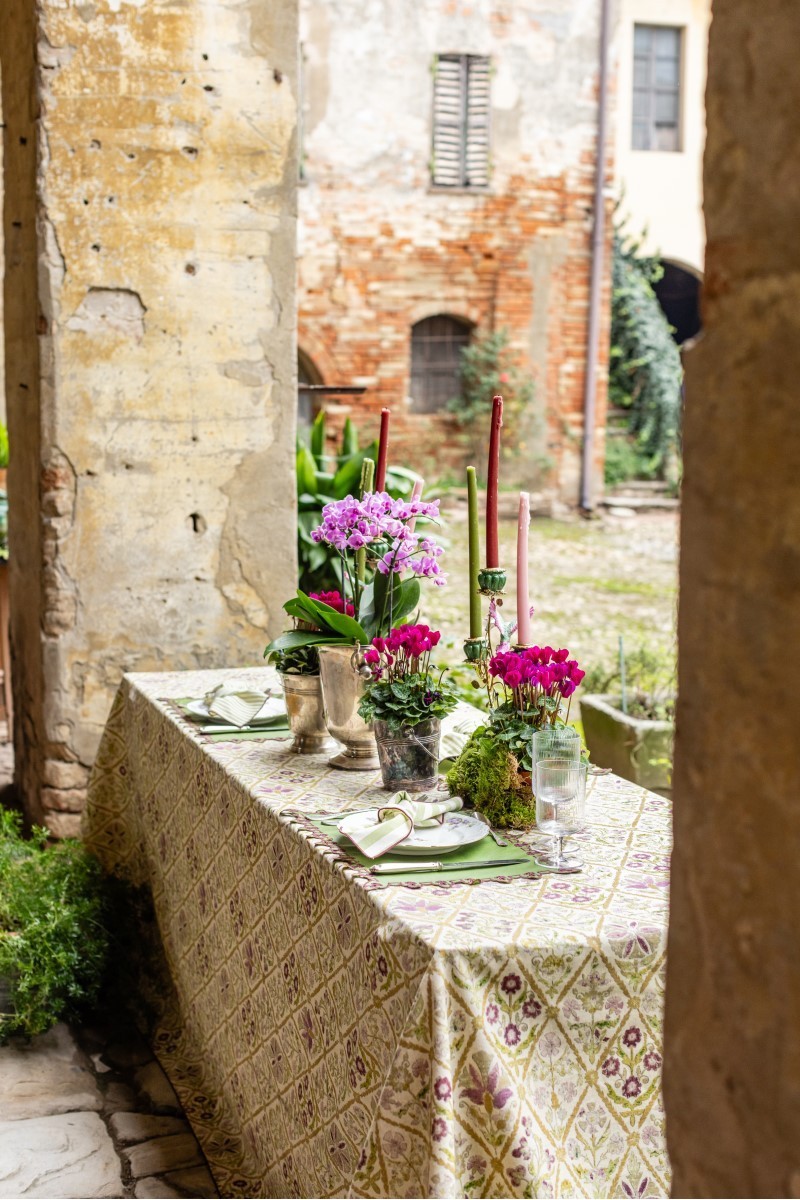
(150, 350)
(732, 1069)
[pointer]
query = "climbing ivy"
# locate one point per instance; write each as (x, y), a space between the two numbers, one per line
(645, 372)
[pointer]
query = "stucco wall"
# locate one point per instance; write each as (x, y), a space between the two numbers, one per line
(150, 235)
(380, 248)
(732, 1065)
(661, 192)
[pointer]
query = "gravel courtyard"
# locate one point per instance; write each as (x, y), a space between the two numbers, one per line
(590, 582)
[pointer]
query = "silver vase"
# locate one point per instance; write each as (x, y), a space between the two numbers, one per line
(344, 679)
(303, 696)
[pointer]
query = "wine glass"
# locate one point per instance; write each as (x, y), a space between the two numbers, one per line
(561, 741)
(560, 794)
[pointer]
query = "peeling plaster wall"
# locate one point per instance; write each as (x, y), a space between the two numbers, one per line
(380, 248)
(155, 196)
(732, 1050)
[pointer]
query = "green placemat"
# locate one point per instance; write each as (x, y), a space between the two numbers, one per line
(477, 853)
(276, 727)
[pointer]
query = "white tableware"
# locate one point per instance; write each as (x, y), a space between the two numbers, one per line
(457, 830)
(274, 706)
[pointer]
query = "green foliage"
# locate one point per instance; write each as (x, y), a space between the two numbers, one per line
(54, 938)
(3, 446)
(645, 372)
(650, 683)
(488, 368)
(322, 478)
(487, 775)
(303, 660)
(408, 701)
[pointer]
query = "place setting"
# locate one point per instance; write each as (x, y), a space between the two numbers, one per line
(232, 712)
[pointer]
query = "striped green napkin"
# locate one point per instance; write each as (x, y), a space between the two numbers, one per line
(241, 708)
(397, 819)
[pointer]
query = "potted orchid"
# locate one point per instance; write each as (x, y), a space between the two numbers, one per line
(527, 689)
(381, 559)
(404, 702)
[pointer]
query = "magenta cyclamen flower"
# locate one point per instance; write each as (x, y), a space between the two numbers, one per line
(537, 669)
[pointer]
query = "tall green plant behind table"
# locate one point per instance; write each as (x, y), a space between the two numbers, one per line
(323, 478)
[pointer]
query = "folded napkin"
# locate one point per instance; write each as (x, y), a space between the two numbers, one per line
(457, 728)
(242, 707)
(402, 814)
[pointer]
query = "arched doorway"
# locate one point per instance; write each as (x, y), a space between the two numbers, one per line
(678, 292)
(308, 376)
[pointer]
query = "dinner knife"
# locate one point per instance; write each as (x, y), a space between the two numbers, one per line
(389, 867)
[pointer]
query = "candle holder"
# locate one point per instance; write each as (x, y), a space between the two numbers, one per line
(475, 649)
(492, 580)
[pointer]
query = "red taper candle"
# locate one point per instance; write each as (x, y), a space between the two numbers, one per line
(383, 451)
(492, 535)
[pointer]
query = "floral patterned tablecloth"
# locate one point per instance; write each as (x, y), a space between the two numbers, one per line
(332, 1038)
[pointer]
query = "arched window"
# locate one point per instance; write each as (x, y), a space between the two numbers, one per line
(307, 376)
(436, 345)
(678, 292)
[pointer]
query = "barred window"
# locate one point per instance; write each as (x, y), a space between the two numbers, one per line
(461, 121)
(436, 345)
(656, 87)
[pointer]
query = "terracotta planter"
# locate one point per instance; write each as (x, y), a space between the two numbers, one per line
(634, 749)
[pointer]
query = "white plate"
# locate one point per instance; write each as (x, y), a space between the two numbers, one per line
(457, 830)
(273, 707)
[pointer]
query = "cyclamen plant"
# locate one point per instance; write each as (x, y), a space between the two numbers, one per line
(404, 690)
(536, 680)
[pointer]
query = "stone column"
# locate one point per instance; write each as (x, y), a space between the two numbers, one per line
(150, 350)
(732, 1070)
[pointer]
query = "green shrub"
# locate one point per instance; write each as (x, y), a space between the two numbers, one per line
(645, 372)
(54, 938)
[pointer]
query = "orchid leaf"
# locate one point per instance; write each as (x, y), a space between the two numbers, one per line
(343, 624)
(295, 638)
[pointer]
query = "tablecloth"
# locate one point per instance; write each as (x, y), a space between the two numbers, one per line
(328, 1038)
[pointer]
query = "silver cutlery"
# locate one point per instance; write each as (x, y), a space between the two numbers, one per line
(389, 867)
(499, 841)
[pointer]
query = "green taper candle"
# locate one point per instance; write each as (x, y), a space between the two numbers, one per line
(474, 555)
(367, 476)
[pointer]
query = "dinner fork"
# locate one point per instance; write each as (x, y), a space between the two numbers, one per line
(492, 833)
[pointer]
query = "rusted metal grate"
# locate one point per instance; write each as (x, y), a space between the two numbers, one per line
(436, 345)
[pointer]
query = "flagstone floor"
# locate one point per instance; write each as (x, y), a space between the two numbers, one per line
(89, 1113)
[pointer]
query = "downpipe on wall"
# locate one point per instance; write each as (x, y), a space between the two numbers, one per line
(597, 265)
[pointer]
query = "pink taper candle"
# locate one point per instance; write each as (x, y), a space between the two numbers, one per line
(493, 476)
(524, 631)
(416, 495)
(383, 451)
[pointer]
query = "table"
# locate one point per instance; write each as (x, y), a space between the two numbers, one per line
(328, 1036)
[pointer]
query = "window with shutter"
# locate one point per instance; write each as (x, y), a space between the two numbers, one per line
(656, 87)
(436, 345)
(461, 121)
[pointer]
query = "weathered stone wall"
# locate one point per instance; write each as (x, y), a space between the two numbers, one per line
(732, 1070)
(150, 348)
(380, 249)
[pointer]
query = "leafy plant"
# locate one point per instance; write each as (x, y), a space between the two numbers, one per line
(489, 776)
(318, 485)
(3, 446)
(488, 368)
(303, 660)
(54, 938)
(404, 690)
(645, 372)
(650, 683)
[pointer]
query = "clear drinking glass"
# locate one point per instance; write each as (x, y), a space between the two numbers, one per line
(560, 785)
(561, 742)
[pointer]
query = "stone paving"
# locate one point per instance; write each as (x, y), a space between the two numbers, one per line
(89, 1113)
